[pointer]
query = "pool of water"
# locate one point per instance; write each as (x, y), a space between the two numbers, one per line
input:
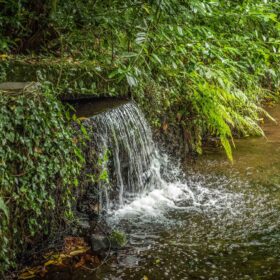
(224, 223)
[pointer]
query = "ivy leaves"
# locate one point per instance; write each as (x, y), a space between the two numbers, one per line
(39, 167)
(164, 52)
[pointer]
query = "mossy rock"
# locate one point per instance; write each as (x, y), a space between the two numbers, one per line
(69, 78)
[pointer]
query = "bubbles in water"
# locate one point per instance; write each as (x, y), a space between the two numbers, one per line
(148, 182)
(183, 227)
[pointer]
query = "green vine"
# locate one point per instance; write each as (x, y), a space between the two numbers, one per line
(39, 166)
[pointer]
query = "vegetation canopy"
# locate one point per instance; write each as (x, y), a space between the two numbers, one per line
(206, 66)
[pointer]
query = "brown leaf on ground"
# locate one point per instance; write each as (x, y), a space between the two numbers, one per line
(81, 262)
(73, 246)
(72, 243)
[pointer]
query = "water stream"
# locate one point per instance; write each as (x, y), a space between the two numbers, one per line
(208, 220)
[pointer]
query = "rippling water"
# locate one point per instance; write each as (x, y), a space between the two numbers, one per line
(217, 221)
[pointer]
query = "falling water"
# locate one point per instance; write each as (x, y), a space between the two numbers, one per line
(141, 179)
(220, 221)
(125, 134)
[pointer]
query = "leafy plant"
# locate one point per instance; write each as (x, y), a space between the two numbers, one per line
(38, 170)
(118, 238)
(201, 67)
(210, 63)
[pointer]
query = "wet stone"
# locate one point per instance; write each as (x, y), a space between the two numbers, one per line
(99, 243)
(84, 224)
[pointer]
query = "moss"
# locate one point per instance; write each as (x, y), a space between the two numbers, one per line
(67, 77)
(118, 239)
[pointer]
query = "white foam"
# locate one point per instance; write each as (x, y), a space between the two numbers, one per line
(148, 182)
(174, 195)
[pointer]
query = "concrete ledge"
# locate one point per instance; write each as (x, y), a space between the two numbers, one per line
(15, 86)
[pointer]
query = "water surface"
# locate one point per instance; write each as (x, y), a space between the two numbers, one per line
(217, 221)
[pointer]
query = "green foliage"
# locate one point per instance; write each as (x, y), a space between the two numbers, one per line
(25, 24)
(204, 65)
(214, 65)
(199, 66)
(118, 238)
(68, 77)
(38, 169)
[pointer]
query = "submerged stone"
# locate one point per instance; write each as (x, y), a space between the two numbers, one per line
(99, 243)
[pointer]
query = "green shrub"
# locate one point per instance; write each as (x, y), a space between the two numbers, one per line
(205, 65)
(39, 166)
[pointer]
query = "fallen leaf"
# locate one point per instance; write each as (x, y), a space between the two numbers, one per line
(78, 252)
(27, 275)
(30, 273)
(73, 246)
(81, 262)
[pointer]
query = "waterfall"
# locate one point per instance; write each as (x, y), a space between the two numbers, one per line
(126, 135)
(142, 181)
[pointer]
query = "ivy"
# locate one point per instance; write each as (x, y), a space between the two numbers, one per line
(38, 170)
(211, 62)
